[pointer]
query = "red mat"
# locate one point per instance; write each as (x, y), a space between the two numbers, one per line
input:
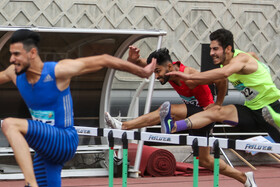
(160, 162)
(154, 162)
(186, 169)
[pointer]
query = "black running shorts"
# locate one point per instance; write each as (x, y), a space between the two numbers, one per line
(253, 121)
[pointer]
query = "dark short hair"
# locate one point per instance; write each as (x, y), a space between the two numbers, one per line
(162, 56)
(28, 38)
(224, 37)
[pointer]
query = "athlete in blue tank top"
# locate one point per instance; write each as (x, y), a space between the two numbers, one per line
(45, 90)
(48, 107)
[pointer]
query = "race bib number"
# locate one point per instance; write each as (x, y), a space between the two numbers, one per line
(190, 100)
(249, 93)
(43, 116)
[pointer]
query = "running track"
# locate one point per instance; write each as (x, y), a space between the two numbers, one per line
(265, 176)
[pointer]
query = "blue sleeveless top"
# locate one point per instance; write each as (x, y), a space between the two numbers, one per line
(45, 101)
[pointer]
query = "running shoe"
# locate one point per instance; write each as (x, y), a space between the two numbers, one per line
(165, 118)
(272, 117)
(250, 182)
(112, 122)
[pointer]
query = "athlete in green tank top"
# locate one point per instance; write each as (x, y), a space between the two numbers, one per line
(262, 108)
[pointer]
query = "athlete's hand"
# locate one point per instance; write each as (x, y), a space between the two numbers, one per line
(179, 74)
(213, 105)
(209, 106)
(133, 54)
(149, 69)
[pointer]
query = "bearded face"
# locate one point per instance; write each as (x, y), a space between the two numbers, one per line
(19, 57)
(160, 72)
(217, 52)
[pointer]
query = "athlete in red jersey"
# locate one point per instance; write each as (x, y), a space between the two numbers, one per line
(186, 89)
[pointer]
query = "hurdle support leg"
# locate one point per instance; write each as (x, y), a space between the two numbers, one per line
(277, 155)
(274, 157)
(111, 158)
(216, 162)
(195, 162)
(243, 159)
(124, 169)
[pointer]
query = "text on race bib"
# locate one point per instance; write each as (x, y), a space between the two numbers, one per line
(43, 116)
(190, 100)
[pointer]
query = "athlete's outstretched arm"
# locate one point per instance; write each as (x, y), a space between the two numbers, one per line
(234, 66)
(193, 83)
(68, 68)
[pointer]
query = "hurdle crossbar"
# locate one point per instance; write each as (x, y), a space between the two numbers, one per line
(246, 145)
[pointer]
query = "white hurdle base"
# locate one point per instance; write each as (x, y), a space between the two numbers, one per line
(96, 172)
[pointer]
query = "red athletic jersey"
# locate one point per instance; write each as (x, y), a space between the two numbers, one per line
(200, 95)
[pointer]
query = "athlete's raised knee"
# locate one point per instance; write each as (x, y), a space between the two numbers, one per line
(219, 114)
(12, 124)
(215, 113)
(6, 124)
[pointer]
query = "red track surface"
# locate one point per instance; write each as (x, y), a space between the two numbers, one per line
(265, 176)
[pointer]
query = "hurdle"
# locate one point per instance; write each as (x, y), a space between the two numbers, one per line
(216, 162)
(111, 158)
(194, 141)
(195, 162)
(125, 156)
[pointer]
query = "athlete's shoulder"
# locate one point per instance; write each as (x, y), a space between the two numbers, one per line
(241, 56)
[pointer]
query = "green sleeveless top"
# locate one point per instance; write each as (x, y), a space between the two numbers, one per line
(258, 87)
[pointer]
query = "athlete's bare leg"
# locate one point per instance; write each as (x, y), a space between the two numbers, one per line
(216, 114)
(224, 114)
(15, 129)
(178, 112)
(207, 161)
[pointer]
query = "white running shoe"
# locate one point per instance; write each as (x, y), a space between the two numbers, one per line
(250, 182)
(112, 122)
